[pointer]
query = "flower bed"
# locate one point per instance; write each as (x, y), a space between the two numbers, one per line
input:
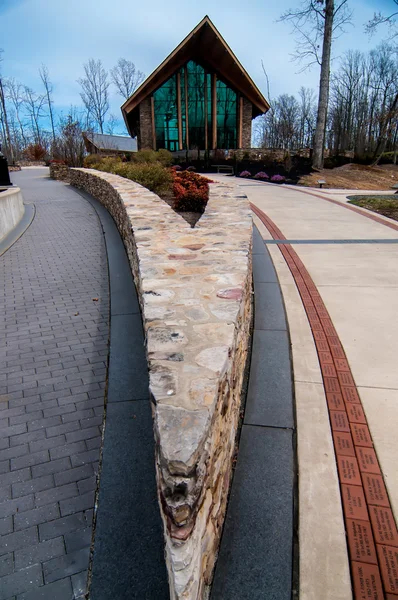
(185, 191)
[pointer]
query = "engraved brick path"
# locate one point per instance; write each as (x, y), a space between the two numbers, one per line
(372, 535)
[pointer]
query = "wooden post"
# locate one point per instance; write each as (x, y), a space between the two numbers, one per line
(186, 107)
(153, 123)
(179, 115)
(240, 124)
(214, 110)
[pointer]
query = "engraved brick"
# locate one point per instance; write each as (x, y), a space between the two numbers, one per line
(354, 502)
(331, 385)
(388, 557)
(355, 413)
(384, 527)
(375, 489)
(367, 460)
(348, 470)
(361, 435)
(367, 581)
(335, 401)
(360, 541)
(343, 443)
(339, 421)
(328, 370)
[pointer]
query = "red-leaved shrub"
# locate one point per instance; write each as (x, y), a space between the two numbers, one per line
(191, 191)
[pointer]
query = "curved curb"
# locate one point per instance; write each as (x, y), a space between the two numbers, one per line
(19, 229)
(127, 557)
(258, 554)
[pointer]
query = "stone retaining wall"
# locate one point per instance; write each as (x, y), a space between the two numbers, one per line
(194, 287)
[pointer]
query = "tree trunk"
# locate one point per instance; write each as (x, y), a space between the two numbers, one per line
(319, 138)
(384, 129)
(8, 138)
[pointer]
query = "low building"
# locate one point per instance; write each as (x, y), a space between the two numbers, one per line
(200, 97)
(100, 143)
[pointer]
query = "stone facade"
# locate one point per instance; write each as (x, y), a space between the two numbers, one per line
(195, 288)
(247, 123)
(144, 134)
(59, 171)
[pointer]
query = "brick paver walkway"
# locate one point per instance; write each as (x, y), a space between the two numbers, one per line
(53, 353)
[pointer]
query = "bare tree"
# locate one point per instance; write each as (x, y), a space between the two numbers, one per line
(70, 143)
(316, 21)
(4, 119)
(94, 92)
(112, 124)
(45, 77)
(382, 19)
(126, 78)
(14, 93)
(34, 106)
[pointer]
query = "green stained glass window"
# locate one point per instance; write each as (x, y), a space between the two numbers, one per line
(226, 116)
(196, 110)
(166, 117)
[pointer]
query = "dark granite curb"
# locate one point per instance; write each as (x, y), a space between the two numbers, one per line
(258, 554)
(127, 560)
(14, 235)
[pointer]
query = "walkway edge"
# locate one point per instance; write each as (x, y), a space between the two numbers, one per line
(127, 554)
(323, 574)
(19, 229)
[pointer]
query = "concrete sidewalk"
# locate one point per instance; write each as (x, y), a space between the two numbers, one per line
(353, 262)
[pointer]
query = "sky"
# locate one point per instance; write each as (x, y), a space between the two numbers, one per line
(65, 34)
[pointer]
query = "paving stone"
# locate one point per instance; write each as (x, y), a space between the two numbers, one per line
(51, 273)
(128, 379)
(32, 486)
(10, 507)
(47, 443)
(54, 466)
(255, 559)
(68, 450)
(39, 552)
(20, 581)
(79, 583)
(135, 530)
(59, 590)
(6, 525)
(6, 564)
(73, 505)
(56, 494)
(268, 307)
(61, 526)
(78, 539)
(74, 474)
(18, 539)
(34, 458)
(67, 565)
(270, 394)
(35, 516)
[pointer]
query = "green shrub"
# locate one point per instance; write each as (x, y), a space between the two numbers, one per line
(151, 175)
(164, 157)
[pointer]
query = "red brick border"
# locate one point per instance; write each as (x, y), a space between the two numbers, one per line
(372, 535)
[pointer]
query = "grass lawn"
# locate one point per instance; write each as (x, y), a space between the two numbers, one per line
(384, 205)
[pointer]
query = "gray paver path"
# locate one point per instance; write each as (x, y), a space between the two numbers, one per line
(53, 353)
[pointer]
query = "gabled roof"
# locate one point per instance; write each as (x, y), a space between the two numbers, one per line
(207, 46)
(119, 143)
